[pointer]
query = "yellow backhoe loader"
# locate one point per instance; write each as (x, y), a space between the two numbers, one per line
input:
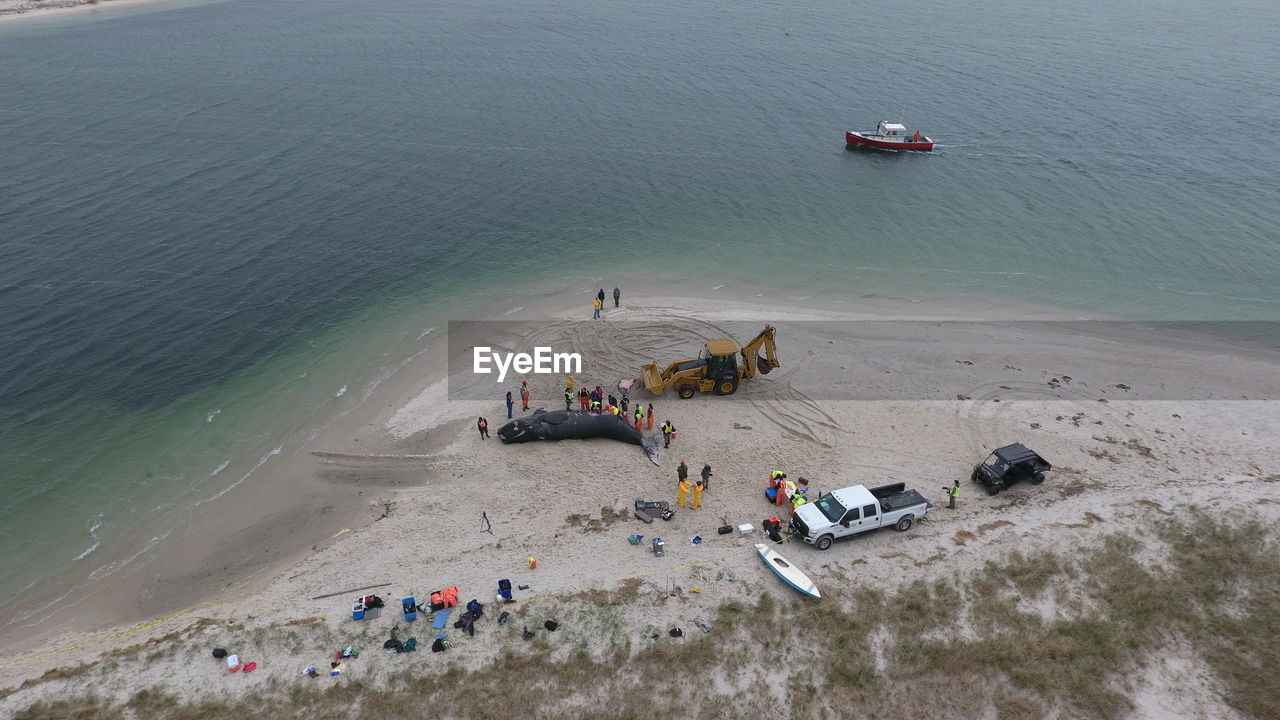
(717, 368)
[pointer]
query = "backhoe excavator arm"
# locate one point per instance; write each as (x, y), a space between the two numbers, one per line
(752, 357)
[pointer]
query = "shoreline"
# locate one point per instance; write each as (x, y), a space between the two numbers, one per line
(323, 489)
(17, 11)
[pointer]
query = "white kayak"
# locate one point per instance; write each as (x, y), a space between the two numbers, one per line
(789, 573)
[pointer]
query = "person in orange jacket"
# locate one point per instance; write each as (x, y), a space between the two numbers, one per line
(584, 398)
(639, 415)
(778, 481)
(524, 395)
(649, 417)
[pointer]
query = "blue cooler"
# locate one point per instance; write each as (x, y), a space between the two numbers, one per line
(357, 610)
(410, 608)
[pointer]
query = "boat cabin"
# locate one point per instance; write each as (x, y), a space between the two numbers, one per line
(888, 128)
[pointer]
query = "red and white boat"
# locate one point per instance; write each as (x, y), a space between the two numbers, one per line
(889, 136)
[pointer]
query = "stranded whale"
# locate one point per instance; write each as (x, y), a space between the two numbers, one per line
(575, 425)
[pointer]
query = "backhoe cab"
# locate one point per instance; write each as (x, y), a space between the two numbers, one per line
(718, 368)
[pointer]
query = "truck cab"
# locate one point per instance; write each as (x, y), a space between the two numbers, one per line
(852, 510)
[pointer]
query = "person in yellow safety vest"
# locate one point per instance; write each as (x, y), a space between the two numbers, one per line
(568, 398)
(595, 407)
(776, 479)
(682, 492)
(668, 430)
(697, 496)
(797, 500)
(639, 415)
(954, 493)
(613, 410)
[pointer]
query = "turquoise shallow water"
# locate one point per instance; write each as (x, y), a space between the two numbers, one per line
(213, 218)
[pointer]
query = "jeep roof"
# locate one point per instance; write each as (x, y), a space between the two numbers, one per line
(1016, 453)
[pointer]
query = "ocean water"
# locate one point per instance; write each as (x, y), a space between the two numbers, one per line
(221, 224)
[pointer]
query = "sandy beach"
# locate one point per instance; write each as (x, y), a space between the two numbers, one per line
(19, 10)
(394, 495)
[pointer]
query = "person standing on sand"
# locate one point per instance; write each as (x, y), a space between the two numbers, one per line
(682, 492)
(639, 415)
(569, 383)
(698, 487)
(682, 472)
(568, 399)
(778, 481)
(617, 295)
(625, 400)
(613, 400)
(800, 496)
(706, 476)
(600, 297)
(668, 431)
(524, 395)
(952, 492)
(649, 416)
(483, 426)
(584, 399)
(511, 403)
(596, 314)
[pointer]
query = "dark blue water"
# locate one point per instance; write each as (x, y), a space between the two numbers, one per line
(208, 213)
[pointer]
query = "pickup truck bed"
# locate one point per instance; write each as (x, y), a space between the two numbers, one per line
(907, 498)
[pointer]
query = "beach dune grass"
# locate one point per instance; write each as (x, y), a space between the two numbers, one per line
(1032, 634)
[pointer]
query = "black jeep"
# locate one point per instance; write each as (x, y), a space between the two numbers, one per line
(1008, 465)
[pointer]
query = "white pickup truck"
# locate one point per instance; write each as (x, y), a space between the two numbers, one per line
(856, 509)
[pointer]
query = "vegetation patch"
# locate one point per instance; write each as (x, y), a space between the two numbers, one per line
(1036, 633)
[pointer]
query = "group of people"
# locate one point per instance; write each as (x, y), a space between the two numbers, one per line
(595, 401)
(786, 492)
(599, 302)
(524, 400)
(685, 488)
(599, 403)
